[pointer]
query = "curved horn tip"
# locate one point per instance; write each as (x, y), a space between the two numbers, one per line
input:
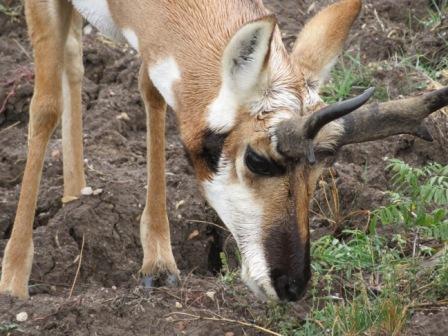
(332, 112)
(370, 91)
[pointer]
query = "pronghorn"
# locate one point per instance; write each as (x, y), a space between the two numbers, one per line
(250, 117)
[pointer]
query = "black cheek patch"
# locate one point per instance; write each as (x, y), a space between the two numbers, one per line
(212, 145)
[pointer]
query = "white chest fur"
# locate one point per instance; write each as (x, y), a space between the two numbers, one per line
(97, 13)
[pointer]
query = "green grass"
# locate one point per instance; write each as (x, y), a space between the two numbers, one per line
(13, 12)
(430, 68)
(350, 77)
(228, 274)
(436, 13)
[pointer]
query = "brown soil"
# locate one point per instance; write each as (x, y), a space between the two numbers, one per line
(107, 299)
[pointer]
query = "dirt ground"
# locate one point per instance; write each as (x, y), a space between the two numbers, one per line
(106, 298)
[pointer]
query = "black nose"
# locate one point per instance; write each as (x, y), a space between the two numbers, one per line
(290, 288)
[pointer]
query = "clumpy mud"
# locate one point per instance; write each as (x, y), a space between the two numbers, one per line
(106, 299)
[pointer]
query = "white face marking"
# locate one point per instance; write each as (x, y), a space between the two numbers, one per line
(131, 37)
(242, 214)
(164, 75)
(98, 14)
(312, 98)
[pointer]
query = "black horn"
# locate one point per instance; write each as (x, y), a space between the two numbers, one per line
(335, 111)
(295, 138)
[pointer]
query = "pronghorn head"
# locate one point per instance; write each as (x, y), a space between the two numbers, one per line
(269, 137)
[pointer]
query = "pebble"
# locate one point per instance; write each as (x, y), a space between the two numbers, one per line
(211, 295)
(87, 191)
(97, 191)
(22, 316)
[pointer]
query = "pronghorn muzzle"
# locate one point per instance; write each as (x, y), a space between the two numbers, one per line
(288, 257)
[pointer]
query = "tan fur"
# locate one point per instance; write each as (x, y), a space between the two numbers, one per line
(323, 37)
(48, 38)
(72, 137)
(194, 33)
(173, 28)
(154, 226)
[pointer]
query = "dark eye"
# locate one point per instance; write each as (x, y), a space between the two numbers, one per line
(261, 165)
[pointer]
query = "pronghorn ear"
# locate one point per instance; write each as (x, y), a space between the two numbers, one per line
(246, 56)
(321, 40)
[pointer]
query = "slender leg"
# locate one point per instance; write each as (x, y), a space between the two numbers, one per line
(48, 34)
(158, 261)
(72, 139)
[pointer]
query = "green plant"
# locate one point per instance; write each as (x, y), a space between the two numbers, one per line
(228, 275)
(431, 68)
(360, 252)
(13, 12)
(419, 200)
(435, 14)
(347, 75)
(8, 327)
(350, 77)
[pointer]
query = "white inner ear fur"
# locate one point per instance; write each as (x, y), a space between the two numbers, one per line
(245, 56)
(241, 72)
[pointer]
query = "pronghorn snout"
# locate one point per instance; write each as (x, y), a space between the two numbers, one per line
(288, 258)
(290, 287)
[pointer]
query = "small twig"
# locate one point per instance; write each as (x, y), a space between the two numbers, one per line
(424, 305)
(56, 284)
(415, 244)
(379, 20)
(8, 96)
(209, 223)
(9, 127)
(21, 47)
(223, 319)
(90, 167)
(79, 267)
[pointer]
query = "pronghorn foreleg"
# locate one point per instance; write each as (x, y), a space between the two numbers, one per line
(48, 29)
(72, 139)
(158, 262)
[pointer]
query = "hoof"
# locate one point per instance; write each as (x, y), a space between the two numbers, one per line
(147, 281)
(160, 280)
(172, 280)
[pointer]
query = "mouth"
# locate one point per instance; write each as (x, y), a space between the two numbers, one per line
(289, 288)
(284, 289)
